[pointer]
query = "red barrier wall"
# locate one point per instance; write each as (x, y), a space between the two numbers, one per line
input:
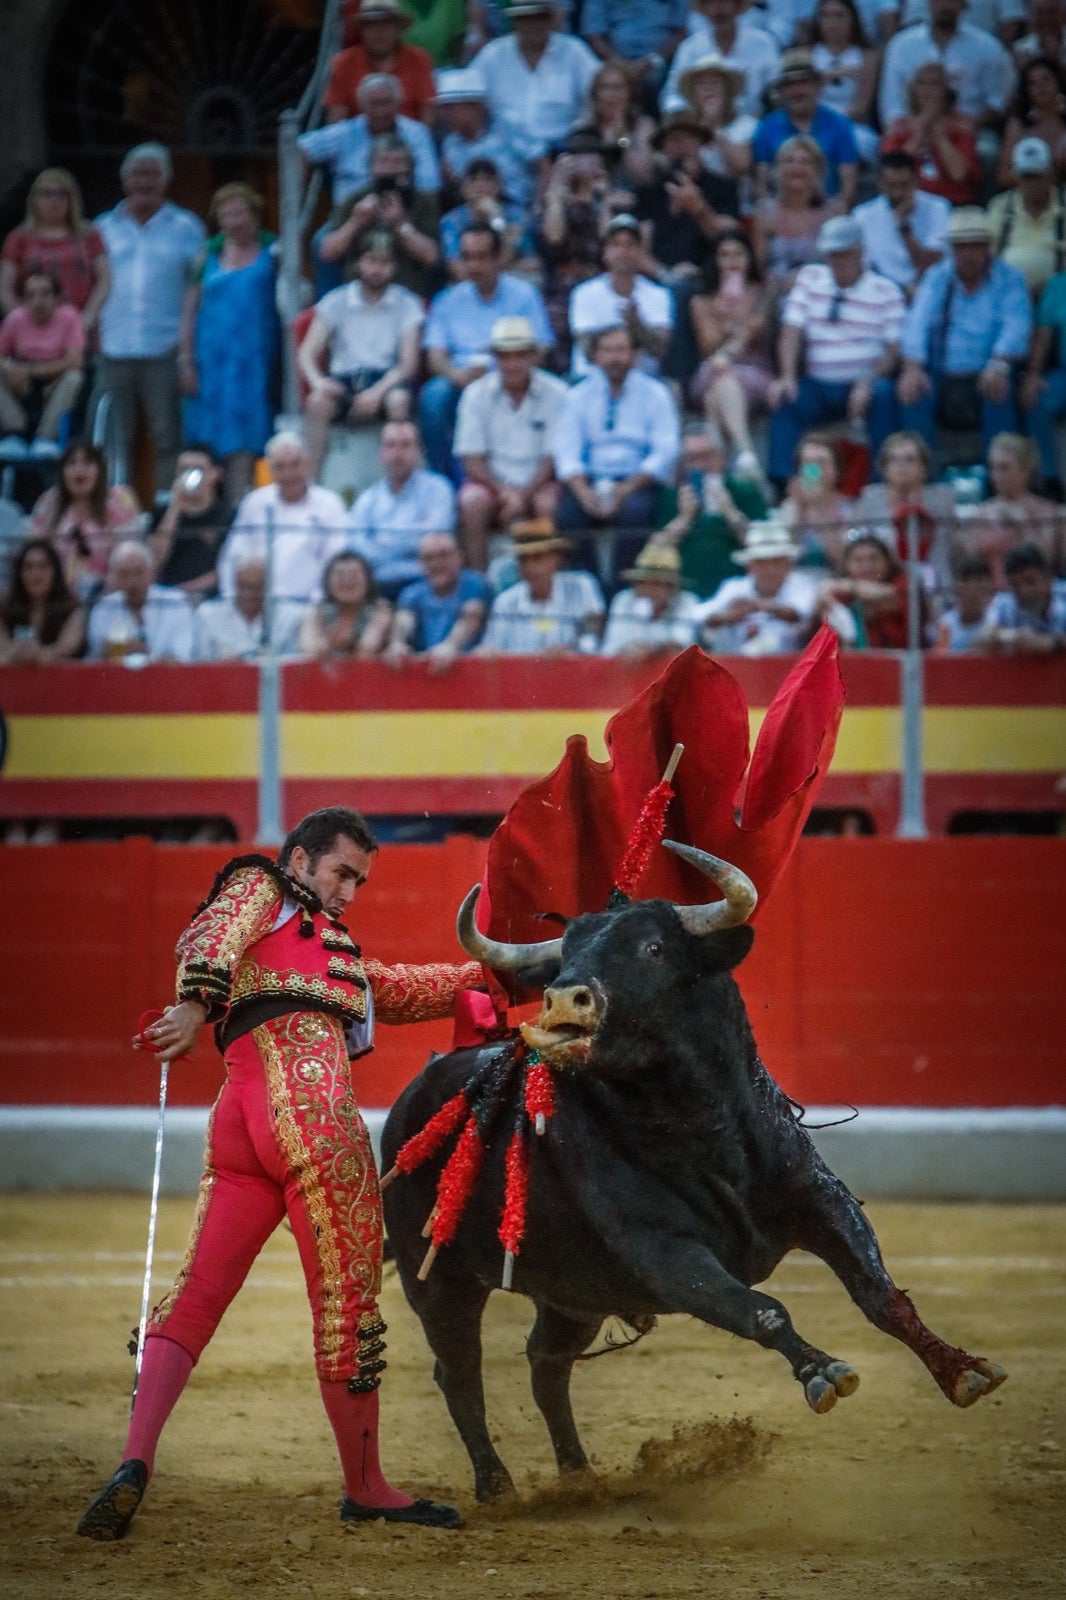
(885, 972)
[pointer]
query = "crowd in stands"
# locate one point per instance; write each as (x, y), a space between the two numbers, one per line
(667, 323)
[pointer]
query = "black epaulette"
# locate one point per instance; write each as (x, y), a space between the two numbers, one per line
(305, 898)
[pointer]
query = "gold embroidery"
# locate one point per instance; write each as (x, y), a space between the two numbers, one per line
(338, 939)
(347, 967)
(252, 981)
(214, 941)
(405, 993)
(203, 1200)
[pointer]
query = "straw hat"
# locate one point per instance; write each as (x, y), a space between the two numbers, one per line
(656, 563)
(969, 225)
(536, 537)
(686, 121)
(456, 85)
(766, 541)
(795, 64)
(512, 333)
(712, 62)
(382, 10)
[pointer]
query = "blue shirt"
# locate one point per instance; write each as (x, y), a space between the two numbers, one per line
(345, 147)
(437, 614)
(1005, 612)
(833, 134)
(453, 222)
(151, 267)
(461, 322)
(492, 145)
(601, 435)
(387, 527)
(995, 321)
(635, 30)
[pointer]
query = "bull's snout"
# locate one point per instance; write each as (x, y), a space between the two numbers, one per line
(570, 1015)
(576, 1006)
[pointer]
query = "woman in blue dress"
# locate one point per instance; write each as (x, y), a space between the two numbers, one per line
(229, 343)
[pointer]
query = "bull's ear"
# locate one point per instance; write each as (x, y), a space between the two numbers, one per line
(726, 948)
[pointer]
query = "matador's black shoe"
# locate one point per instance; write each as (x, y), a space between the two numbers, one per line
(424, 1514)
(111, 1513)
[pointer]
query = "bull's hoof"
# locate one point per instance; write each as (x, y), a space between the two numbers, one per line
(845, 1379)
(821, 1396)
(972, 1383)
(823, 1389)
(492, 1488)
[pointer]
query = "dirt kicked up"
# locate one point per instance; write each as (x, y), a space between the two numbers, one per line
(714, 1478)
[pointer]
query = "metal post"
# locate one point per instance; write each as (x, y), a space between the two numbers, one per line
(271, 829)
(912, 796)
(289, 251)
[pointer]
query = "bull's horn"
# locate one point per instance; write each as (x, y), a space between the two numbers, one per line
(501, 957)
(740, 894)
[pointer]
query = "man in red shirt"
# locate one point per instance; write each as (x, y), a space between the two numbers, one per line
(42, 346)
(380, 24)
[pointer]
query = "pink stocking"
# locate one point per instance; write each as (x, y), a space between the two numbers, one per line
(164, 1373)
(354, 1419)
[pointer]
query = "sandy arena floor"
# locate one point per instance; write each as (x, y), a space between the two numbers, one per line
(741, 1493)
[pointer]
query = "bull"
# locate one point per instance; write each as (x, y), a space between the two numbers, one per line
(673, 1176)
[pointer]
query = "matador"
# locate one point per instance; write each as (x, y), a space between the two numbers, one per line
(269, 961)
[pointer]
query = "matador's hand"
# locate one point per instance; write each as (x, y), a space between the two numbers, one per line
(175, 1033)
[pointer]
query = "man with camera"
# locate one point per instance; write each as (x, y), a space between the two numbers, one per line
(389, 205)
(189, 531)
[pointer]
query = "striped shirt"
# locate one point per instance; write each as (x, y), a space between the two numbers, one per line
(848, 331)
(522, 626)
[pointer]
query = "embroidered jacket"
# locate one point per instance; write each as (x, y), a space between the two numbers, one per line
(242, 963)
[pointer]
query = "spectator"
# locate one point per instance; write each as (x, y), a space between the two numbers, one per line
(389, 519)
(84, 517)
(815, 511)
(772, 608)
(644, 37)
(904, 230)
(786, 224)
(576, 210)
(965, 334)
(229, 337)
(235, 629)
(621, 297)
(548, 612)
(370, 329)
(977, 64)
(1047, 35)
(351, 619)
(656, 616)
(873, 586)
(838, 347)
(1004, 19)
(1043, 388)
(799, 87)
(137, 618)
(618, 438)
(959, 628)
(622, 131)
(390, 209)
(484, 201)
(380, 49)
(1014, 515)
(505, 439)
(731, 321)
(1039, 112)
(718, 26)
(42, 350)
(1029, 221)
(54, 237)
(441, 615)
(684, 205)
(905, 462)
(458, 334)
(841, 52)
(710, 87)
(470, 135)
(40, 618)
(537, 80)
(1028, 618)
(707, 516)
(940, 139)
(189, 531)
(291, 522)
(153, 249)
(345, 148)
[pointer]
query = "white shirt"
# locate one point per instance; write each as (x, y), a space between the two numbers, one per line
(754, 53)
(985, 14)
(367, 334)
(536, 108)
(886, 251)
(597, 304)
(849, 345)
(222, 633)
(388, 525)
(514, 438)
(603, 435)
(163, 631)
(151, 266)
(630, 621)
(761, 634)
(307, 533)
(978, 68)
(521, 626)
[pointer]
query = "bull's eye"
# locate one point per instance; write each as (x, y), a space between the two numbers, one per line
(654, 949)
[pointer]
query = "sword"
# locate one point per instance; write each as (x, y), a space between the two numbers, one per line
(147, 1019)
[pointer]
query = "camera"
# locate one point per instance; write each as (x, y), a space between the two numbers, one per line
(191, 479)
(389, 184)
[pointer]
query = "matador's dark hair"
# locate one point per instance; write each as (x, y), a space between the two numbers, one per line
(319, 829)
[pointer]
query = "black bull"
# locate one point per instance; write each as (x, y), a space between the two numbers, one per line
(672, 1177)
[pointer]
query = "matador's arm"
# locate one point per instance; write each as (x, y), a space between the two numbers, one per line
(406, 993)
(241, 908)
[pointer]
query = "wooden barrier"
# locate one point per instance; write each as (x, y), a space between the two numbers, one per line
(885, 972)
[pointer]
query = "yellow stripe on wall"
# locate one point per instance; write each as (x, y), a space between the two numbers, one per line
(204, 745)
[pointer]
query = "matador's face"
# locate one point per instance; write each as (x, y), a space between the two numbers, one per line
(336, 875)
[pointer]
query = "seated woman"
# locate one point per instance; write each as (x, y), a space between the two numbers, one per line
(873, 586)
(942, 140)
(55, 238)
(40, 618)
(351, 619)
(731, 322)
(1039, 110)
(814, 511)
(484, 201)
(711, 87)
(84, 518)
(786, 224)
(619, 127)
(841, 52)
(1014, 515)
(906, 462)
